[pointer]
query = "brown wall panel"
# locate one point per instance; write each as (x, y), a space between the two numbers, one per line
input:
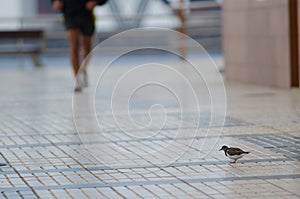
(256, 42)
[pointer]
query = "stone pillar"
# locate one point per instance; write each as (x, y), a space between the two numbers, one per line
(256, 42)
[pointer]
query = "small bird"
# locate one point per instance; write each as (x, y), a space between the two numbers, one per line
(233, 153)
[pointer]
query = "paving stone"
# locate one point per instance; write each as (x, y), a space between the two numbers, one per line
(47, 158)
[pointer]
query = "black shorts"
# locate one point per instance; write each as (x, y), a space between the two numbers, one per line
(86, 24)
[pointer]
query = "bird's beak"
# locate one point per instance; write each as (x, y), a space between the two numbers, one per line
(220, 150)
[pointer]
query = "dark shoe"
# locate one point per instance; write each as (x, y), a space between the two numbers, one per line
(84, 79)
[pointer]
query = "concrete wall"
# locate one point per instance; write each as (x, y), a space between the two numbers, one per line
(256, 42)
(12, 10)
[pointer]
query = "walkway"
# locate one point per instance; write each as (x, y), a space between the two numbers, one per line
(173, 157)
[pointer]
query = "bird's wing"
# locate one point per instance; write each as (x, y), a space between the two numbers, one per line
(235, 151)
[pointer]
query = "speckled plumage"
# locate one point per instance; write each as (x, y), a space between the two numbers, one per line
(233, 152)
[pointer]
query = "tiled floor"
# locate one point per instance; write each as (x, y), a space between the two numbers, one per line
(148, 153)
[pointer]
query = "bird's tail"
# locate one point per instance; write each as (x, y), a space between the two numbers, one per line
(246, 152)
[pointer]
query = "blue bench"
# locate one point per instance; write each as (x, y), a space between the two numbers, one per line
(23, 41)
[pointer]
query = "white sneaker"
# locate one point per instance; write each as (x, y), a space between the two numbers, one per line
(84, 78)
(78, 85)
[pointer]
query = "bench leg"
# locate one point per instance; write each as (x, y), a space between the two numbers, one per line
(36, 60)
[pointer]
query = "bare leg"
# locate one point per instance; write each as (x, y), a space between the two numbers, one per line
(87, 47)
(73, 37)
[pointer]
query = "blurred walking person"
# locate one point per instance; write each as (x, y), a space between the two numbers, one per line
(80, 27)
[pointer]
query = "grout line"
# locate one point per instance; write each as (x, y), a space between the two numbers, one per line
(122, 141)
(155, 182)
(179, 164)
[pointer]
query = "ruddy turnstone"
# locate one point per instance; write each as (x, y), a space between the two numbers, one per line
(233, 153)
